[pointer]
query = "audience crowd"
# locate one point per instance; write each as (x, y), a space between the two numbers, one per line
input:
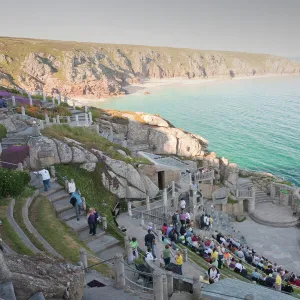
(224, 251)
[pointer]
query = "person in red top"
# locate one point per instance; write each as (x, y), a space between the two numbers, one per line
(194, 238)
(296, 282)
(164, 228)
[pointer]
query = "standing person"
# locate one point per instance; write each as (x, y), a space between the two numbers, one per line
(46, 178)
(134, 245)
(211, 220)
(187, 218)
(182, 218)
(175, 219)
(76, 199)
(150, 242)
(167, 255)
(182, 205)
(71, 187)
(91, 217)
(179, 261)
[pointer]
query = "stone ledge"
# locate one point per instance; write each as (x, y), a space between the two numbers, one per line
(32, 230)
(17, 229)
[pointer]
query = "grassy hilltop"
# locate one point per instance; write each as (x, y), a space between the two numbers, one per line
(101, 70)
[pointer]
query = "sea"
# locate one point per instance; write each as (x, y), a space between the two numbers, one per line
(253, 122)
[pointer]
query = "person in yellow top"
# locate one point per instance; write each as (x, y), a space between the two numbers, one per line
(215, 254)
(179, 261)
(278, 282)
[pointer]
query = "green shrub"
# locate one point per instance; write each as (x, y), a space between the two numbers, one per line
(240, 218)
(2, 132)
(12, 182)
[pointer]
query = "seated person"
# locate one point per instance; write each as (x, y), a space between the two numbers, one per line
(207, 257)
(270, 281)
(255, 275)
(214, 263)
(238, 267)
(240, 254)
(182, 230)
(188, 233)
(172, 236)
(213, 274)
(269, 270)
(260, 265)
(249, 258)
(288, 288)
(232, 264)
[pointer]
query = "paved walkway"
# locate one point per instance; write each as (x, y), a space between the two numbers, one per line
(280, 245)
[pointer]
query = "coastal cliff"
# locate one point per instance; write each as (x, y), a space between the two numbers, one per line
(102, 70)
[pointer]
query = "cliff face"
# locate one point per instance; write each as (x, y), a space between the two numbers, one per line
(102, 70)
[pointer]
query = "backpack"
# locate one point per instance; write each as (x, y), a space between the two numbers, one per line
(73, 201)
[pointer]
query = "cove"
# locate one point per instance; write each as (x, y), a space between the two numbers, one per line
(253, 122)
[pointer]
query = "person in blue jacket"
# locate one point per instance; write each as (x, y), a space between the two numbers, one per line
(76, 202)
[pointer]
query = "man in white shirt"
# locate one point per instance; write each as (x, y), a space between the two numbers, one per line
(71, 187)
(46, 178)
(238, 267)
(182, 204)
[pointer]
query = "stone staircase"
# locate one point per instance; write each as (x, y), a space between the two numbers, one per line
(60, 200)
(260, 196)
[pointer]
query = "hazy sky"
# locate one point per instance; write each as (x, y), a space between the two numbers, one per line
(268, 26)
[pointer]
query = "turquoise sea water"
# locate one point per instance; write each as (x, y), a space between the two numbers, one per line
(253, 122)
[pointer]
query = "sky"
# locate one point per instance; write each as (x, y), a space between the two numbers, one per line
(261, 26)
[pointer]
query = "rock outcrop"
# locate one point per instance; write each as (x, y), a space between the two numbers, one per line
(120, 178)
(34, 274)
(101, 70)
(151, 133)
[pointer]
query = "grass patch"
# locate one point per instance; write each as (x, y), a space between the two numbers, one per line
(8, 234)
(231, 201)
(89, 140)
(90, 186)
(20, 201)
(58, 235)
(2, 132)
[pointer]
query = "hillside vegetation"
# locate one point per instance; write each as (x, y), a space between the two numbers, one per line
(101, 70)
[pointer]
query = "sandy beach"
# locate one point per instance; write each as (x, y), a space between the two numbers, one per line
(149, 85)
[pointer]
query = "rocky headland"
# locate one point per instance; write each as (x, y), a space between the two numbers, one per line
(102, 70)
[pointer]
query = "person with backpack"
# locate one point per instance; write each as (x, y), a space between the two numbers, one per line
(92, 221)
(213, 274)
(76, 202)
(150, 242)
